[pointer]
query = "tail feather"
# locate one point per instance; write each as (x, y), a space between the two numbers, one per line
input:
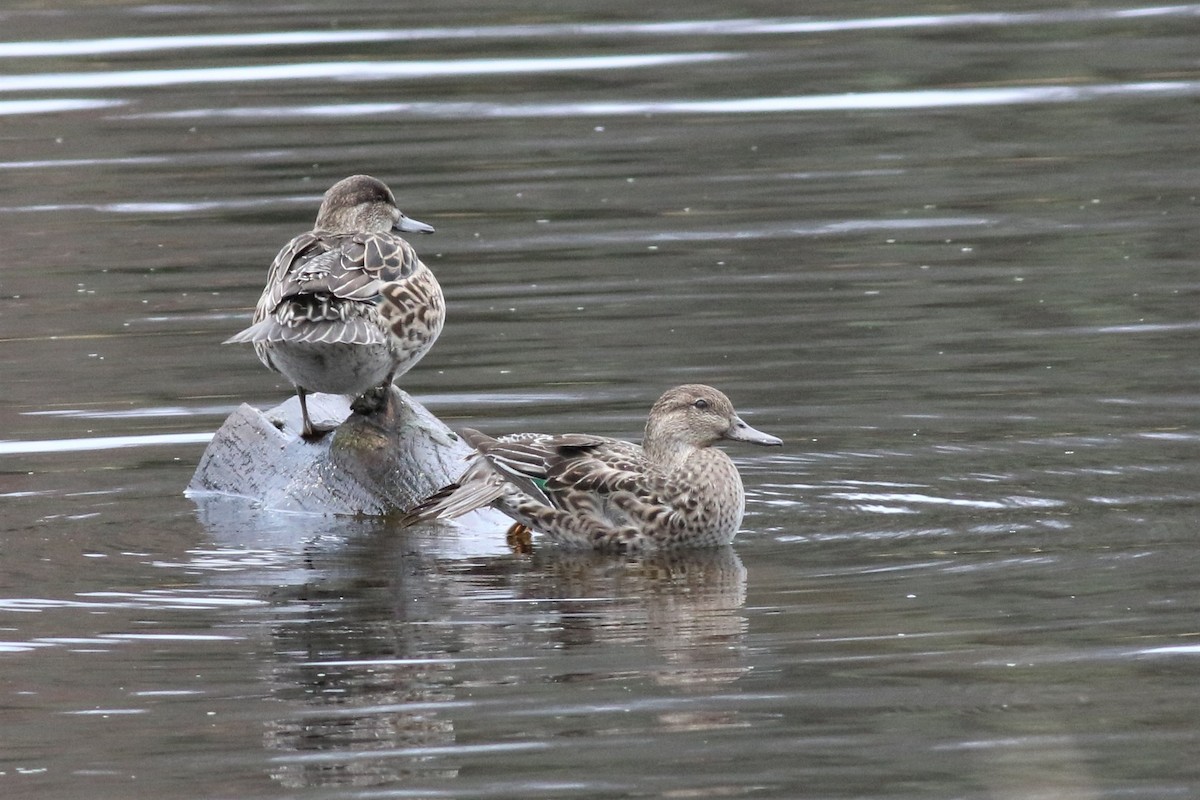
(430, 508)
(487, 480)
(352, 331)
(257, 332)
(478, 488)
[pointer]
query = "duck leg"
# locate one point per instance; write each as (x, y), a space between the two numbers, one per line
(310, 433)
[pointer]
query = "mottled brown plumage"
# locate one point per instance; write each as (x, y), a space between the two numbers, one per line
(674, 490)
(348, 306)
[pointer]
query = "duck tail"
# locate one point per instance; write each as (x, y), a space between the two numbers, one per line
(432, 507)
(258, 332)
(479, 487)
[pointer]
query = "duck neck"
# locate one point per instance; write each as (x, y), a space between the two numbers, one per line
(665, 451)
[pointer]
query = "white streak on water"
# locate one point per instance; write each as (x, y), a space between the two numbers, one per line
(12, 107)
(10, 448)
(684, 28)
(341, 70)
(1171, 650)
(135, 413)
(1007, 502)
(174, 207)
(858, 101)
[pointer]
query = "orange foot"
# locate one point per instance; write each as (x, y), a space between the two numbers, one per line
(519, 538)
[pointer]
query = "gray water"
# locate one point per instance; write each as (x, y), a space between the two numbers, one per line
(946, 251)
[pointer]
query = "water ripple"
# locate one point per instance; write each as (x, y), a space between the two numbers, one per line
(683, 28)
(11, 107)
(220, 159)
(147, 207)
(10, 448)
(341, 70)
(94, 601)
(134, 413)
(926, 499)
(1170, 650)
(853, 101)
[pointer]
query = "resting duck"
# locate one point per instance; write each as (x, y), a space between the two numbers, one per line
(674, 490)
(348, 306)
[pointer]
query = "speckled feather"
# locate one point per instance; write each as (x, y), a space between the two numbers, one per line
(592, 491)
(349, 305)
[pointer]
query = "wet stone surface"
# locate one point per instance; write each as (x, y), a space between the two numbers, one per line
(378, 464)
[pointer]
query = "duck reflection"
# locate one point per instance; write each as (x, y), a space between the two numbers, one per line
(380, 646)
(685, 605)
(364, 681)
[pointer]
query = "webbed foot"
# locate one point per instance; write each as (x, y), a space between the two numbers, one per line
(519, 538)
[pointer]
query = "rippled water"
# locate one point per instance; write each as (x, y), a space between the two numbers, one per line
(948, 253)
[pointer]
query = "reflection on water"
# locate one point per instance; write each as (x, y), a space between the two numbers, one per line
(685, 606)
(383, 661)
(949, 257)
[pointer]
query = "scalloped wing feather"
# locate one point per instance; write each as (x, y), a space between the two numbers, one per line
(569, 473)
(519, 459)
(603, 469)
(343, 266)
(271, 330)
(557, 469)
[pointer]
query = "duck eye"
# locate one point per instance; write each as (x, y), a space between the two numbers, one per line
(701, 404)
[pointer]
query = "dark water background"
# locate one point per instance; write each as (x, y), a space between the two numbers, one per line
(947, 251)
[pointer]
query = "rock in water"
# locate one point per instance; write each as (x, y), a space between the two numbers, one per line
(375, 464)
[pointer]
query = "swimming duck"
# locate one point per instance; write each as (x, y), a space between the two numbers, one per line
(674, 490)
(348, 306)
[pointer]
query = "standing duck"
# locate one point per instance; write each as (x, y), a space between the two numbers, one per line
(674, 490)
(348, 306)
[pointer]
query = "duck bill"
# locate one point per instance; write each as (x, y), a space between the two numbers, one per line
(410, 225)
(739, 431)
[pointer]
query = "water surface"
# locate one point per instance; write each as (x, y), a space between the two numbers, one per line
(947, 253)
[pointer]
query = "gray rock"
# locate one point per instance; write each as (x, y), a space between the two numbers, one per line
(377, 464)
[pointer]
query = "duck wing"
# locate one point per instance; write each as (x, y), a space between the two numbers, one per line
(553, 468)
(329, 277)
(563, 472)
(486, 480)
(599, 468)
